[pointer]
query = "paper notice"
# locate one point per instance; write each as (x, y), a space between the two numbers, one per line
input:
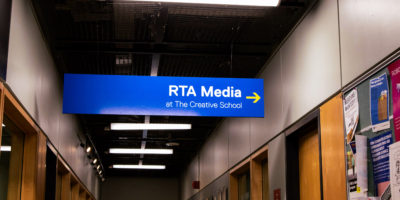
(355, 191)
(351, 113)
(361, 162)
(387, 194)
(394, 157)
(380, 160)
(394, 70)
(379, 103)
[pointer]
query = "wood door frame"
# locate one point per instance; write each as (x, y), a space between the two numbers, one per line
(35, 148)
(34, 151)
(333, 147)
(252, 164)
(310, 122)
(256, 173)
(331, 136)
(234, 173)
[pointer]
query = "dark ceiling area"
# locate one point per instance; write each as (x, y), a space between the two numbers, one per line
(136, 38)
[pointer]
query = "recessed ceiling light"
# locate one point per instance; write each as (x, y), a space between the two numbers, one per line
(88, 149)
(140, 151)
(5, 148)
(142, 126)
(172, 144)
(139, 166)
(262, 3)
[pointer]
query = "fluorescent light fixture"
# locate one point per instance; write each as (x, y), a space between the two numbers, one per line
(140, 151)
(5, 148)
(261, 3)
(142, 126)
(139, 166)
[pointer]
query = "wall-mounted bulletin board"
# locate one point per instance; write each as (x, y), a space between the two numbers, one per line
(372, 124)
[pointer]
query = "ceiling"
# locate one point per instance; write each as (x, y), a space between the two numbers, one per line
(127, 38)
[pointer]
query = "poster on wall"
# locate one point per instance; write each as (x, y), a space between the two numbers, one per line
(362, 162)
(380, 160)
(357, 168)
(394, 70)
(351, 114)
(394, 157)
(351, 159)
(379, 103)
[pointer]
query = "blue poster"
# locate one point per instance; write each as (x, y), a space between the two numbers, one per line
(161, 95)
(379, 99)
(380, 156)
(353, 147)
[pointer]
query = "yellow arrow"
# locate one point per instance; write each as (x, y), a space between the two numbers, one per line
(255, 97)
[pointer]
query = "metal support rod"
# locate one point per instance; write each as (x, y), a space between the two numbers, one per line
(155, 62)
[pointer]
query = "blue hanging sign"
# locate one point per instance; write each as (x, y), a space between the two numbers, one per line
(161, 95)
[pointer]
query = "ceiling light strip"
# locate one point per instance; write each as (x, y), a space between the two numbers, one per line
(5, 148)
(258, 3)
(119, 166)
(144, 126)
(140, 151)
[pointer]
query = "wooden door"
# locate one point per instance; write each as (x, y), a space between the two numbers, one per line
(309, 167)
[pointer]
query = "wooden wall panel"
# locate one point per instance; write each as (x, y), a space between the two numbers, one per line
(1, 108)
(265, 181)
(333, 150)
(82, 194)
(30, 166)
(233, 187)
(255, 180)
(41, 162)
(15, 173)
(58, 184)
(75, 192)
(256, 174)
(309, 169)
(66, 187)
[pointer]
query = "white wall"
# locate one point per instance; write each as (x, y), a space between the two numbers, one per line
(121, 188)
(303, 73)
(239, 140)
(311, 62)
(369, 31)
(191, 174)
(312, 65)
(32, 76)
(277, 166)
(214, 156)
